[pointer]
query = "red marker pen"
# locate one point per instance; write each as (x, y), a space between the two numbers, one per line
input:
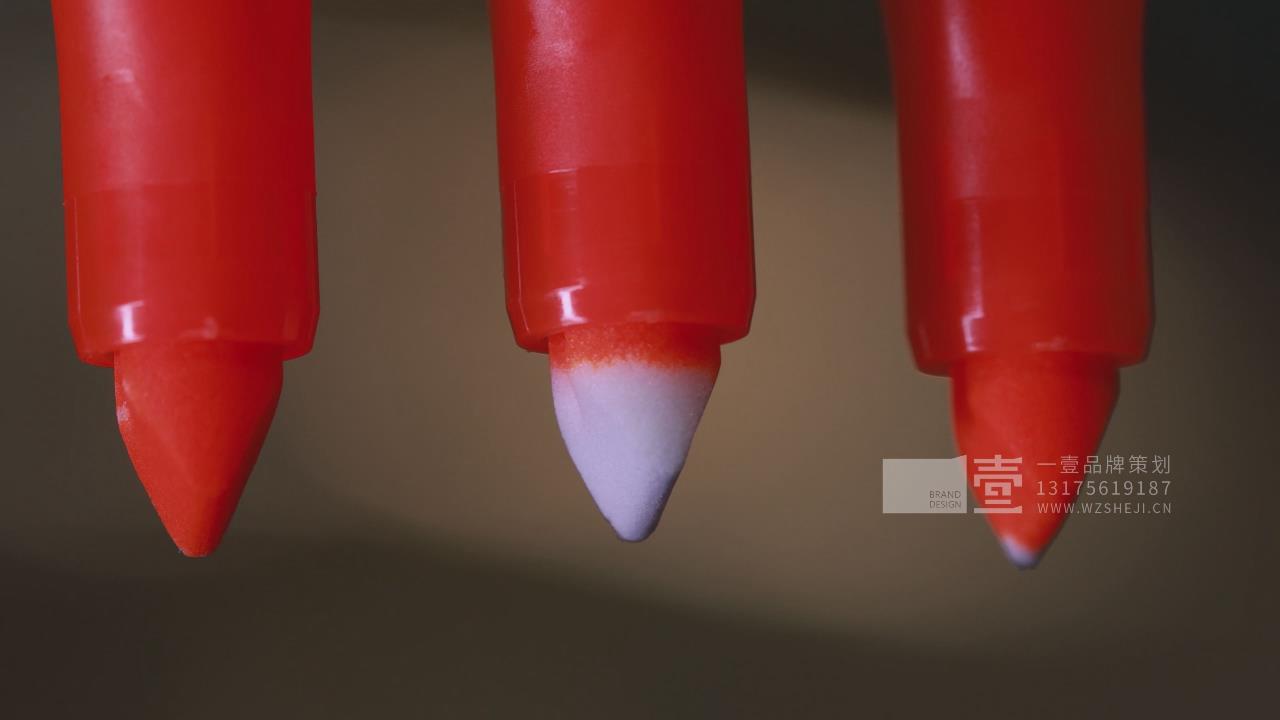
(189, 186)
(626, 198)
(1025, 220)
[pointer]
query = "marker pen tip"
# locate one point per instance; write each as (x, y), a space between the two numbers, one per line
(1033, 412)
(628, 399)
(193, 416)
(1022, 557)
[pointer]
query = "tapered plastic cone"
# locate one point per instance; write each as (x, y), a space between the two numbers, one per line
(628, 399)
(193, 416)
(1035, 409)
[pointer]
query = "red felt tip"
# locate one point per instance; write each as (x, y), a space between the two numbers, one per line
(1039, 407)
(193, 416)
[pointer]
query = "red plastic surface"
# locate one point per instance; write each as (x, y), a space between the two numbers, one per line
(625, 176)
(1023, 168)
(189, 182)
(188, 172)
(1025, 223)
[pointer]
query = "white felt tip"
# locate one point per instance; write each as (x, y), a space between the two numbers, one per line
(628, 426)
(1020, 555)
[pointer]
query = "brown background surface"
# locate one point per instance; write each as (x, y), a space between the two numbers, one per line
(415, 541)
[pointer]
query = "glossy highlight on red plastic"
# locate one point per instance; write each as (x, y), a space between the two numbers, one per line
(189, 184)
(188, 172)
(1024, 193)
(625, 176)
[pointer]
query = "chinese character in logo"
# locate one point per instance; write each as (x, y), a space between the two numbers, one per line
(1160, 464)
(1093, 465)
(1070, 465)
(1115, 464)
(997, 477)
(1137, 463)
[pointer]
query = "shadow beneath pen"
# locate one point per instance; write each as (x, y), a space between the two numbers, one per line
(360, 629)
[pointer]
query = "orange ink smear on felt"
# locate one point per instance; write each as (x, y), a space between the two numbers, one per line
(669, 345)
